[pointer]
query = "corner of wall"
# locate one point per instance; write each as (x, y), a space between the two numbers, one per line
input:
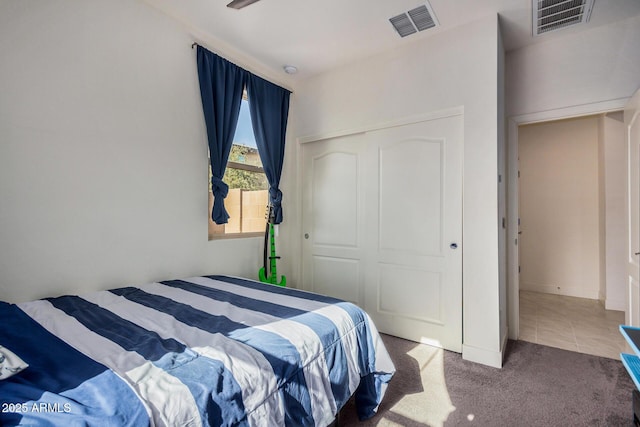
(483, 356)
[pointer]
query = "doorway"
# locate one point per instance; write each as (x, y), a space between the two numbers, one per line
(560, 205)
(571, 235)
(614, 298)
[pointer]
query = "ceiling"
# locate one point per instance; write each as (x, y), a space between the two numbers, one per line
(318, 35)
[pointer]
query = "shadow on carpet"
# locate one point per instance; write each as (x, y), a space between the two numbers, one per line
(537, 386)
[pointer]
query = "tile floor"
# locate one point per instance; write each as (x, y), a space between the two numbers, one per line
(576, 324)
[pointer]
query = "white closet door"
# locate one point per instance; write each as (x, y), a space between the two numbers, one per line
(333, 217)
(414, 223)
(382, 226)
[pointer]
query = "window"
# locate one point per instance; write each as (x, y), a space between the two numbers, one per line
(248, 195)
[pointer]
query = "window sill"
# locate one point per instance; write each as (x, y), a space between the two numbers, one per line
(235, 236)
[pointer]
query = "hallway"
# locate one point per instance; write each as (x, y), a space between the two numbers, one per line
(576, 324)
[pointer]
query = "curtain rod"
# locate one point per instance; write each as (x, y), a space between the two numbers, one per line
(194, 44)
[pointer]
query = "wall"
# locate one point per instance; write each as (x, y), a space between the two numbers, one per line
(103, 159)
(591, 72)
(613, 134)
(449, 69)
(602, 211)
(559, 208)
(502, 193)
(548, 140)
(592, 66)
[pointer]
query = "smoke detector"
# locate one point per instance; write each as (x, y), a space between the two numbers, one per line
(290, 69)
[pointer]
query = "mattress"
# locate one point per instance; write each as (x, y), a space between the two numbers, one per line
(204, 351)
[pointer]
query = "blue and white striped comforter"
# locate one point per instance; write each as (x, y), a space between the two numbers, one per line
(212, 350)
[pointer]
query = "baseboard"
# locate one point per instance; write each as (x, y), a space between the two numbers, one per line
(567, 291)
(482, 356)
(615, 304)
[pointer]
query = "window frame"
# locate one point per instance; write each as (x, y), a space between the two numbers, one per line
(244, 167)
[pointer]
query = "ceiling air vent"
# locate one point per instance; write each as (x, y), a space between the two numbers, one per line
(403, 25)
(419, 19)
(550, 15)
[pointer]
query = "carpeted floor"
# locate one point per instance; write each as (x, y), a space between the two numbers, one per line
(537, 386)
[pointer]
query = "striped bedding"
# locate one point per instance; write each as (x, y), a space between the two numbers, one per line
(205, 351)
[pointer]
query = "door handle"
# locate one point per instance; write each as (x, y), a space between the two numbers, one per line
(453, 245)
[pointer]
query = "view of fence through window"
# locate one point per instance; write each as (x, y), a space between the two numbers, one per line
(248, 186)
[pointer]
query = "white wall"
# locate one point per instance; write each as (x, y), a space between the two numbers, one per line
(615, 193)
(456, 68)
(502, 194)
(559, 208)
(591, 72)
(103, 159)
(592, 66)
(602, 211)
(572, 207)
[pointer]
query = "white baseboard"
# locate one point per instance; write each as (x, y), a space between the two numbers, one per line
(615, 304)
(567, 291)
(483, 356)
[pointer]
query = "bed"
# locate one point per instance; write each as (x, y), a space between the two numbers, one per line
(204, 351)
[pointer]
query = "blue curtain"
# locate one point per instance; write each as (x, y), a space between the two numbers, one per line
(221, 86)
(269, 108)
